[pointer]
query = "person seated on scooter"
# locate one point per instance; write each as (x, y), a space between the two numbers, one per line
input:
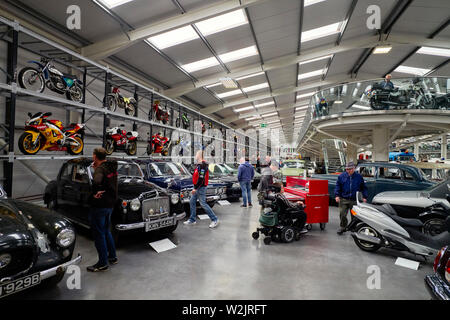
(387, 85)
(290, 210)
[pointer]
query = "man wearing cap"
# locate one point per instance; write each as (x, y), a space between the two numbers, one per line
(347, 184)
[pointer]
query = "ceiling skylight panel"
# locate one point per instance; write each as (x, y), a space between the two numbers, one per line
(243, 109)
(311, 74)
(223, 22)
(311, 2)
(250, 76)
(256, 87)
(412, 70)
(434, 51)
(321, 32)
(229, 93)
(264, 104)
(305, 95)
(114, 3)
(316, 59)
(238, 54)
(201, 64)
(174, 37)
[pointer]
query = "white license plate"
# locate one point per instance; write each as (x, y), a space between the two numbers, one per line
(149, 226)
(19, 284)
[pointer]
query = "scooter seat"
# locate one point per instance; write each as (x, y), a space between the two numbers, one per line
(414, 223)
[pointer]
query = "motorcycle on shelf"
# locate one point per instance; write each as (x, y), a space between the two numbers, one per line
(206, 126)
(184, 121)
(158, 144)
(159, 113)
(118, 139)
(383, 99)
(43, 134)
(115, 99)
(46, 75)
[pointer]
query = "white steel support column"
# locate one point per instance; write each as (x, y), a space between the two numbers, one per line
(444, 146)
(417, 151)
(380, 136)
(352, 150)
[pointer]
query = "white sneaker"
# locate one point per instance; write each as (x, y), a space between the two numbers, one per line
(189, 222)
(214, 224)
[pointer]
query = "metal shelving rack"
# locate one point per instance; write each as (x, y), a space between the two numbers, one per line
(50, 49)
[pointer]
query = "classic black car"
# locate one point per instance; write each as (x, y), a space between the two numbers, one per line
(176, 178)
(438, 284)
(219, 172)
(141, 206)
(36, 245)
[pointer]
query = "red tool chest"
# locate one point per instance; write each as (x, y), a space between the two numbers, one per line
(314, 193)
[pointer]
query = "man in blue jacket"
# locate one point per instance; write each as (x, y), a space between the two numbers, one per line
(245, 177)
(347, 184)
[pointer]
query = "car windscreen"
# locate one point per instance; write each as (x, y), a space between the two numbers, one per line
(129, 170)
(439, 190)
(228, 167)
(294, 164)
(167, 169)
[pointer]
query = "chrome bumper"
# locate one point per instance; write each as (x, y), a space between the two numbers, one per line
(437, 288)
(59, 269)
(209, 198)
(139, 225)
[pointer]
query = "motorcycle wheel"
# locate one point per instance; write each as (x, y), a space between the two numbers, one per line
(111, 103)
(433, 226)
(430, 104)
(374, 105)
(367, 230)
(28, 77)
(130, 109)
(165, 152)
(75, 94)
(132, 148)
(75, 150)
(109, 147)
(26, 144)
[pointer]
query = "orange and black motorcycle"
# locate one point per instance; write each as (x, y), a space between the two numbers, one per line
(43, 134)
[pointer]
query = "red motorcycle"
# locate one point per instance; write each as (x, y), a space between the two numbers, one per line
(158, 144)
(160, 114)
(118, 139)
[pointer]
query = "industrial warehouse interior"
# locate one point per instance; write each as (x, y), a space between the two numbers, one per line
(224, 150)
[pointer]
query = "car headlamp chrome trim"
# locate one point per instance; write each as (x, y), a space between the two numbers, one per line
(135, 204)
(65, 238)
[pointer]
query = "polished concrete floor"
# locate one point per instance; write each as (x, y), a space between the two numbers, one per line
(226, 263)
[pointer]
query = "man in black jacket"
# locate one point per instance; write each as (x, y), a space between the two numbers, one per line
(102, 201)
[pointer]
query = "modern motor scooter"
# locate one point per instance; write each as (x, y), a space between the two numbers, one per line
(373, 228)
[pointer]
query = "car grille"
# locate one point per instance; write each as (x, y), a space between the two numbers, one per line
(21, 260)
(155, 204)
(210, 191)
(148, 195)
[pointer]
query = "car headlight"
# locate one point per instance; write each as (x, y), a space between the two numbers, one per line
(5, 259)
(174, 198)
(236, 185)
(65, 238)
(135, 204)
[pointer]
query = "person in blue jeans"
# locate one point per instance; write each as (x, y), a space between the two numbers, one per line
(200, 179)
(102, 200)
(245, 177)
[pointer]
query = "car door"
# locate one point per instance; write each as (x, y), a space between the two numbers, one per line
(389, 178)
(65, 189)
(410, 180)
(368, 172)
(81, 186)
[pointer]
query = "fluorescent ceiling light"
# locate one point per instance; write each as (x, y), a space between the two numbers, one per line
(201, 64)
(311, 74)
(252, 118)
(269, 114)
(223, 22)
(256, 87)
(250, 76)
(299, 116)
(229, 93)
(238, 54)
(275, 121)
(315, 59)
(382, 49)
(434, 51)
(321, 32)
(114, 3)
(412, 70)
(264, 104)
(243, 109)
(174, 37)
(304, 95)
(228, 83)
(214, 85)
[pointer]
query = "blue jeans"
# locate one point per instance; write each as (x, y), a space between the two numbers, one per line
(246, 187)
(100, 219)
(201, 196)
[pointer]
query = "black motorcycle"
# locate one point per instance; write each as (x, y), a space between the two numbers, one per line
(384, 98)
(46, 75)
